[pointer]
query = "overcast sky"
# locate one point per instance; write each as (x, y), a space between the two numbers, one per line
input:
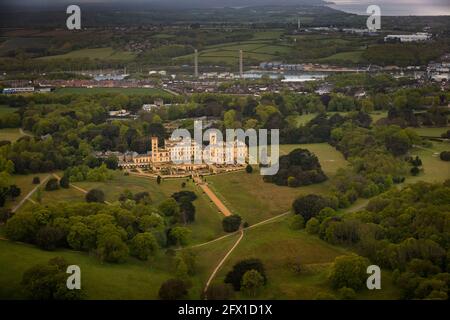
(226, 2)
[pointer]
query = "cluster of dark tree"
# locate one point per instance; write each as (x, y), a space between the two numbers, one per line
(402, 230)
(445, 155)
(401, 54)
(184, 200)
(376, 160)
(131, 226)
(436, 116)
(247, 276)
(10, 120)
(69, 128)
(47, 281)
(11, 191)
(185, 266)
(231, 223)
(320, 127)
(299, 168)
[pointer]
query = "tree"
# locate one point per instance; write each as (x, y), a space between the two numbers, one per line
(112, 162)
(415, 171)
(349, 271)
(445, 156)
(142, 197)
(231, 223)
(252, 282)
(111, 248)
(52, 184)
(234, 277)
(48, 237)
(5, 214)
(158, 179)
(14, 191)
(48, 282)
(297, 222)
(309, 206)
(22, 227)
(187, 210)
(143, 245)
(173, 289)
(347, 293)
(180, 235)
(169, 208)
(312, 226)
(64, 182)
(95, 195)
(219, 291)
(249, 168)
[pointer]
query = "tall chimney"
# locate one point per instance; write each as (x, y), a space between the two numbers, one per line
(196, 63)
(241, 64)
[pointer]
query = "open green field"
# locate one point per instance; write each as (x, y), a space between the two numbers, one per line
(431, 131)
(349, 56)
(149, 91)
(263, 46)
(434, 169)
(133, 279)
(277, 246)
(4, 109)
(10, 134)
(255, 200)
(24, 182)
(107, 53)
(303, 119)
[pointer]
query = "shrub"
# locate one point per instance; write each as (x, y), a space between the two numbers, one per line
(414, 171)
(95, 195)
(219, 291)
(309, 206)
(64, 182)
(231, 223)
(252, 282)
(349, 271)
(312, 226)
(52, 184)
(173, 289)
(234, 277)
(347, 293)
(297, 222)
(445, 156)
(36, 180)
(249, 168)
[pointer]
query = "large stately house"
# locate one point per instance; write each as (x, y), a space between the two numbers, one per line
(217, 156)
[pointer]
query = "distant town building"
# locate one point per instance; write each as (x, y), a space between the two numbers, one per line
(18, 90)
(419, 36)
(119, 113)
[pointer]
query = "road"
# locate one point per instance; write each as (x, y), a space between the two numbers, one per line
(213, 274)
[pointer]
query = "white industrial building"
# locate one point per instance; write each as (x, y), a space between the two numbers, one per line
(419, 36)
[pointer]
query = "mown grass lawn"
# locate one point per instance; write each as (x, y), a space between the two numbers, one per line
(431, 131)
(131, 280)
(4, 109)
(106, 53)
(255, 200)
(434, 169)
(10, 134)
(278, 246)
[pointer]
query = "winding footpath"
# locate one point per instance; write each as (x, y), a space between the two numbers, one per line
(27, 197)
